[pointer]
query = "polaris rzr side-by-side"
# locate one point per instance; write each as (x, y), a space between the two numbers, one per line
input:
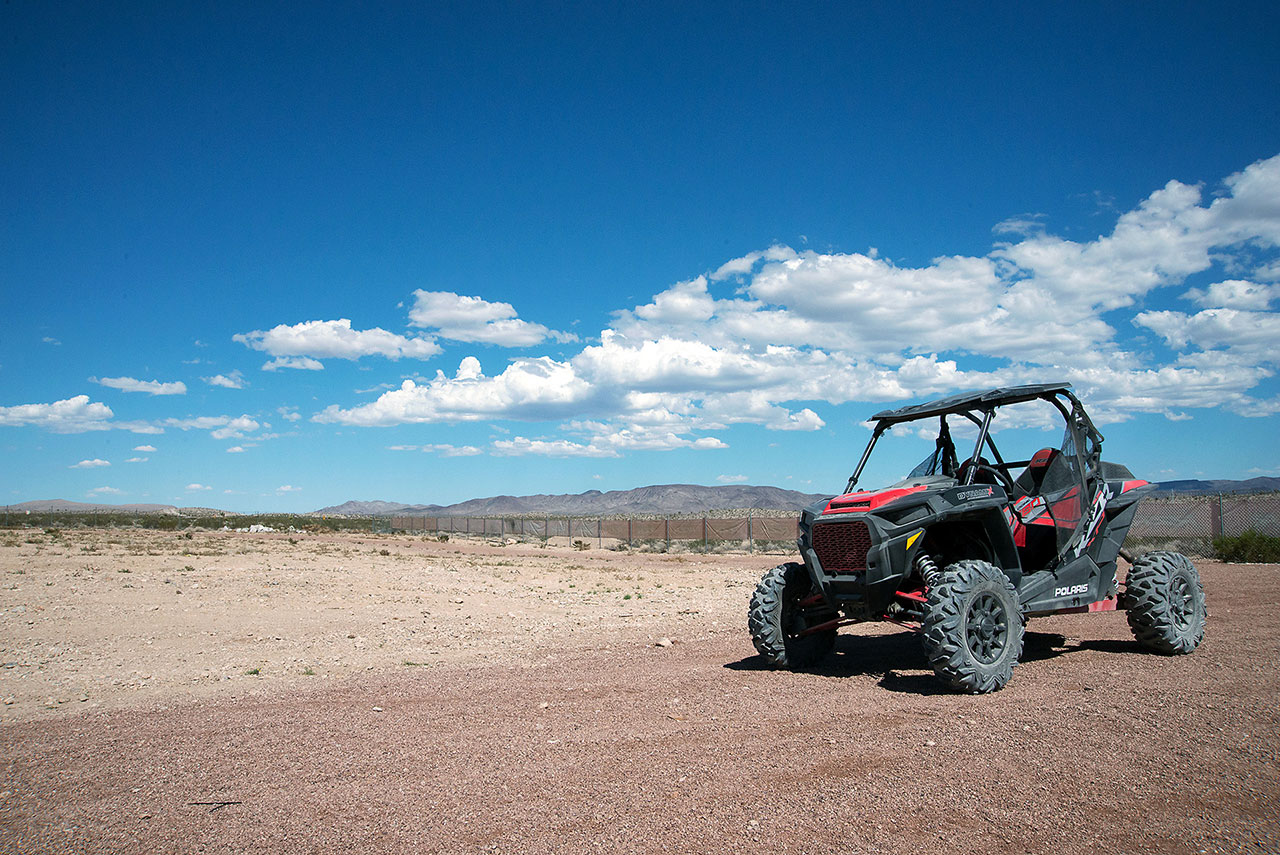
(965, 550)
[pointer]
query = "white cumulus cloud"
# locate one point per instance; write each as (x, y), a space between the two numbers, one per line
(447, 450)
(219, 427)
(537, 388)
(473, 319)
(234, 380)
(1236, 294)
(151, 387)
(95, 463)
(302, 345)
(299, 363)
(71, 415)
(520, 446)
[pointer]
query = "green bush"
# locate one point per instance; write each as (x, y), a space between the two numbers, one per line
(1250, 547)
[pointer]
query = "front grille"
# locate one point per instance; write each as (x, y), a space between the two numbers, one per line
(842, 546)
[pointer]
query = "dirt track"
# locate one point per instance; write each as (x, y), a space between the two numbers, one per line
(546, 719)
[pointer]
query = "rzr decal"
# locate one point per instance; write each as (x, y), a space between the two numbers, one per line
(1096, 512)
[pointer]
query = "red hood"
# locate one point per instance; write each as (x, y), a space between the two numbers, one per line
(868, 500)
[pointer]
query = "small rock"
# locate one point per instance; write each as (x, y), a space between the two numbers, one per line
(663, 642)
(543, 705)
(8, 700)
(377, 709)
(930, 743)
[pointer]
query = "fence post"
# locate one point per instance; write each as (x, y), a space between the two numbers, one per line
(599, 534)
(751, 544)
(1215, 517)
(628, 529)
(704, 534)
(666, 527)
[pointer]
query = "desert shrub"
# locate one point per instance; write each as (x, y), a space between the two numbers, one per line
(1249, 547)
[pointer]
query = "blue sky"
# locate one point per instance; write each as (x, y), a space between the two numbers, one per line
(262, 257)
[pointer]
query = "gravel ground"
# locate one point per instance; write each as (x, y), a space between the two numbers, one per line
(592, 701)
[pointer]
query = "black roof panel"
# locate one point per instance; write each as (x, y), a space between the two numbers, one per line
(986, 399)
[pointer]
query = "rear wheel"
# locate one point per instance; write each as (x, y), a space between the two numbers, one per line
(1165, 602)
(972, 631)
(777, 617)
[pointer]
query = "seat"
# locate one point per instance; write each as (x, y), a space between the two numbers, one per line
(1031, 481)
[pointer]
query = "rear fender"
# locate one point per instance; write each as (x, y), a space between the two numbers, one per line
(1106, 548)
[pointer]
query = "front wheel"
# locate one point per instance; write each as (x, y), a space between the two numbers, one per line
(1165, 602)
(776, 618)
(972, 631)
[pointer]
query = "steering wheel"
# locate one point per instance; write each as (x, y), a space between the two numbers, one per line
(998, 476)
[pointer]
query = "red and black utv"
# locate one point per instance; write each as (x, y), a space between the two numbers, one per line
(965, 550)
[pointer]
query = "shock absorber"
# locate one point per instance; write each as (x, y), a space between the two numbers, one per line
(927, 568)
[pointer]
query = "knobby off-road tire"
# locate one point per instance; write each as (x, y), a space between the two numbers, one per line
(972, 632)
(1165, 602)
(775, 618)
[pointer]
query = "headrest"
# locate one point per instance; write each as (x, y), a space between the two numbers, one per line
(1043, 458)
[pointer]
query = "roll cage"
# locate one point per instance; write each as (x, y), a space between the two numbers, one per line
(1075, 466)
(980, 408)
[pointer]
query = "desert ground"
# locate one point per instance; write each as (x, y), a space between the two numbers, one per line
(300, 692)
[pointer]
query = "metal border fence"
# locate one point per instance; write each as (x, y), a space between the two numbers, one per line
(1207, 516)
(749, 532)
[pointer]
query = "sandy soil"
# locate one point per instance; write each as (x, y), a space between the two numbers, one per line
(315, 693)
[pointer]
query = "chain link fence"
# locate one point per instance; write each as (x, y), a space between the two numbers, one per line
(1179, 517)
(749, 533)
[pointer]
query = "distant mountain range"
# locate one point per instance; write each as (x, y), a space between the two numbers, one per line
(664, 499)
(1192, 487)
(661, 499)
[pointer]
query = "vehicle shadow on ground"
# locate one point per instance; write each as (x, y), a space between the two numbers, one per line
(1040, 646)
(899, 661)
(883, 656)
